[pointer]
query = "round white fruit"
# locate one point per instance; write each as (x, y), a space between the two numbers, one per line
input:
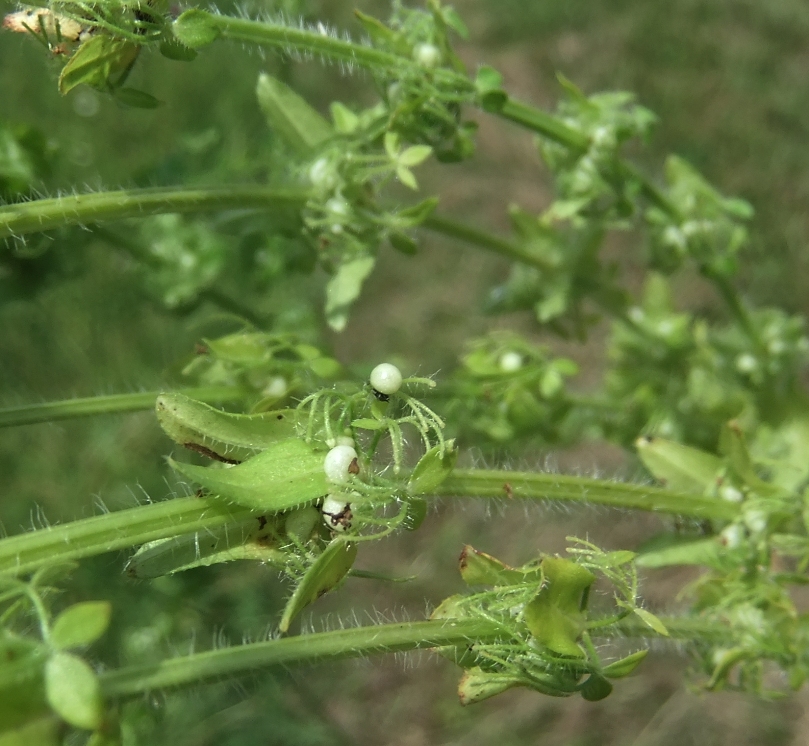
(338, 462)
(386, 379)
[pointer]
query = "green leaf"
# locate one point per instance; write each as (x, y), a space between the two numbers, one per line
(489, 85)
(432, 469)
(195, 28)
(235, 437)
(477, 685)
(80, 625)
(596, 687)
(136, 99)
(344, 288)
(403, 243)
(325, 574)
(668, 550)
(679, 467)
(22, 687)
(73, 691)
(251, 540)
(345, 120)
(42, 732)
(418, 213)
(290, 116)
(366, 423)
(405, 175)
(102, 62)
(416, 513)
(652, 621)
(555, 616)
(625, 666)
(414, 155)
(288, 474)
(172, 49)
(479, 568)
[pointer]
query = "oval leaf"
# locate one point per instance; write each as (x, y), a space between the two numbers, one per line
(73, 691)
(432, 469)
(680, 468)
(325, 574)
(195, 28)
(625, 666)
(80, 624)
(288, 474)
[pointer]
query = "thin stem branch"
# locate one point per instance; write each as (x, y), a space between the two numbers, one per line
(345, 643)
(530, 486)
(122, 529)
(81, 209)
(28, 414)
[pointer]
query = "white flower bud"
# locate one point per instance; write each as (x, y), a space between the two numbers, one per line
(731, 494)
(340, 463)
(386, 379)
(510, 362)
(427, 55)
(322, 175)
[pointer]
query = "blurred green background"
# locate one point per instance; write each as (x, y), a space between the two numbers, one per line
(728, 81)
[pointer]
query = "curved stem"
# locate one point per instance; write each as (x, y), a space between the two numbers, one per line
(80, 209)
(122, 529)
(28, 414)
(530, 486)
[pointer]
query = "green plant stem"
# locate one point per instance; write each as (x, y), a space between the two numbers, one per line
(122, 529)
(345, 643)
(212, 665)
(28, 414)
(530, 486)
(81, 209)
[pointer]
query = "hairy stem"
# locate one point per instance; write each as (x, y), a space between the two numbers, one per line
(28, 414)
(531, 486)
(122, 529)
(80, 209)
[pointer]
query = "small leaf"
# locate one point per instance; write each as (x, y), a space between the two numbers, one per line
(418, 213)
(595, 688)
(42, 732)
(391, 143)
(416, 513)
(344, 288)
(80, 625)
(680, 468)
(22, 688)
(195, 28)
(415, 155)
(73, 691)
(671, 550)
(479, 568)
(477, 685)
(102, 62)
(288, 474)
(405, 175)
(172, 49)
(432, 469)
(345, 120)
(625, 666)
(325, 574)
(136, 99)
(652, 621)
(290, 116)
(379, 32)
(366, 423)
(235, 437)
(403, 243)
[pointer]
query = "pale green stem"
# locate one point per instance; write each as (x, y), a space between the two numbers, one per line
(28, 414)
(214, 665)
(24, 553)
(82, 209)
(530, 486)
(345, 643)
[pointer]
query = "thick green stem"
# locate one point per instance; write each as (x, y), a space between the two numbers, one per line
(529, 486)
(81, 209)
(122, 529)
(345, 643)
(113, 404)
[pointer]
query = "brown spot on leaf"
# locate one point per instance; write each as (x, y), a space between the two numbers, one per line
(208, 453)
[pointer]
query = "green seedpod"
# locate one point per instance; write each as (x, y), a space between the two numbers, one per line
(479, 568)
(102, 62)
(432, 469)
(80, 625)
(324, 575)
(285, 475)
(477, 685)
(678, 467)
(221, 435)
(248, 540)
(290, 117)
(625, 666)
(22, 685)
(555, 616)
(195, 28)
(73, 691)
